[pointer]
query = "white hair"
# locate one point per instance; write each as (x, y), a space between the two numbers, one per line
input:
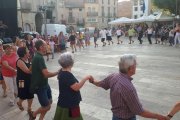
(126, 61)
(66, 59)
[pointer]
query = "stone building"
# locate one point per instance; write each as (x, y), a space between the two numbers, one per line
(74, 14)
(107, 12)
(140, 8)
(31, 14)
(91, 13)
(124, 9)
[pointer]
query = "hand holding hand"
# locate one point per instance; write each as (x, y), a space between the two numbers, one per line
(168, 118)
(91, 80)
(161, 117)
(88, 77)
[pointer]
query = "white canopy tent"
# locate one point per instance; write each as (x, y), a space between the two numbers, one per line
(150, 18)
(160, 17)
(121, 20)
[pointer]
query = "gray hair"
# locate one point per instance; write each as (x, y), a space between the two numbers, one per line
(126, 61)
(66, 59)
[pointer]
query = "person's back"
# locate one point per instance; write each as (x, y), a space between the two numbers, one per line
(121, 92)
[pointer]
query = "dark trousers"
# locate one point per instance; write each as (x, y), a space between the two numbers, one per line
(140, 39)
(149, 38)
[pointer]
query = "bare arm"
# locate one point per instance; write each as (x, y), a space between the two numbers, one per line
(48, 74)
(148, 114)
(78, 86)
(23, 67)
(174, 110)
(5, 63)
(95, 82)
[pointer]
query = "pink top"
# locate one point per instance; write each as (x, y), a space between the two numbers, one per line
(11, 59)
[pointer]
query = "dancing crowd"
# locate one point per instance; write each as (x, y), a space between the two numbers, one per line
(24, 73)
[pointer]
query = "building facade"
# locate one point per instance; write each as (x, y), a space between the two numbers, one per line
(140, 8)
(74, 14)
(107, 12)
(32, 14)
(124, 9)
(91, 13)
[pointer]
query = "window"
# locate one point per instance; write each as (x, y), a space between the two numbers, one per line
(93, 9)
(142, 8)
(135, 8)
(141, 2)
(102, 20)
(141, 15)
(109, 11)
(89, 9)
(102, 11)
(91, 19)
(135, 16)
(114, 12)
(91, 1)
(135, 2)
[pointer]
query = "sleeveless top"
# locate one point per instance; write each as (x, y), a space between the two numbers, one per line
(21, 75)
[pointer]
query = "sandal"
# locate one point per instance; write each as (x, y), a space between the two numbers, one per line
(31, 117)
(29, 111)
(20, 106)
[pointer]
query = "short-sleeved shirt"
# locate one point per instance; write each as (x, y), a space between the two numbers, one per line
(124, 99)
(67, 96)
(38, 80)
(131, 32)
(11, 59)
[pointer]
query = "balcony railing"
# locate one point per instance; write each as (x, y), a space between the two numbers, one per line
(71, 20)
(92, 13)
(26, 6)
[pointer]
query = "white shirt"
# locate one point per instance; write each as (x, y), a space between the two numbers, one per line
(103, 33)
(51, 43)
(118, 32)
(109, 33)
(150, 31)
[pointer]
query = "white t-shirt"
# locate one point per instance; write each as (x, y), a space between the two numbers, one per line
(109, 33)
(150, 31)
(118, 32)
(103, 33)
(51, 43)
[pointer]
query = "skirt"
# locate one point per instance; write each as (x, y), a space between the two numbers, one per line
(63, 114)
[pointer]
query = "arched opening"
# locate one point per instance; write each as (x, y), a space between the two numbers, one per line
(27, 27)
(39, 22)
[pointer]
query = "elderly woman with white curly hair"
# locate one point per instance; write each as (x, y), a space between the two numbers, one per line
(124, 99)
(69, 90)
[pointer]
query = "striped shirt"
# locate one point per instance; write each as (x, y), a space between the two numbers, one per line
(124, 99)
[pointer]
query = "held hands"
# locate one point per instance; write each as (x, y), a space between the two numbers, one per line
(161, 117)
(90, 78)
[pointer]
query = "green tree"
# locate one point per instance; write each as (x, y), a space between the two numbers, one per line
(171, 5)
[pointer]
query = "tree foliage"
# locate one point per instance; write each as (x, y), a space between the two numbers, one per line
(172, 5)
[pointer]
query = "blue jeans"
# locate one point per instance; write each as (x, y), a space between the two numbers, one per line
(116, 118)
(44, 95)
